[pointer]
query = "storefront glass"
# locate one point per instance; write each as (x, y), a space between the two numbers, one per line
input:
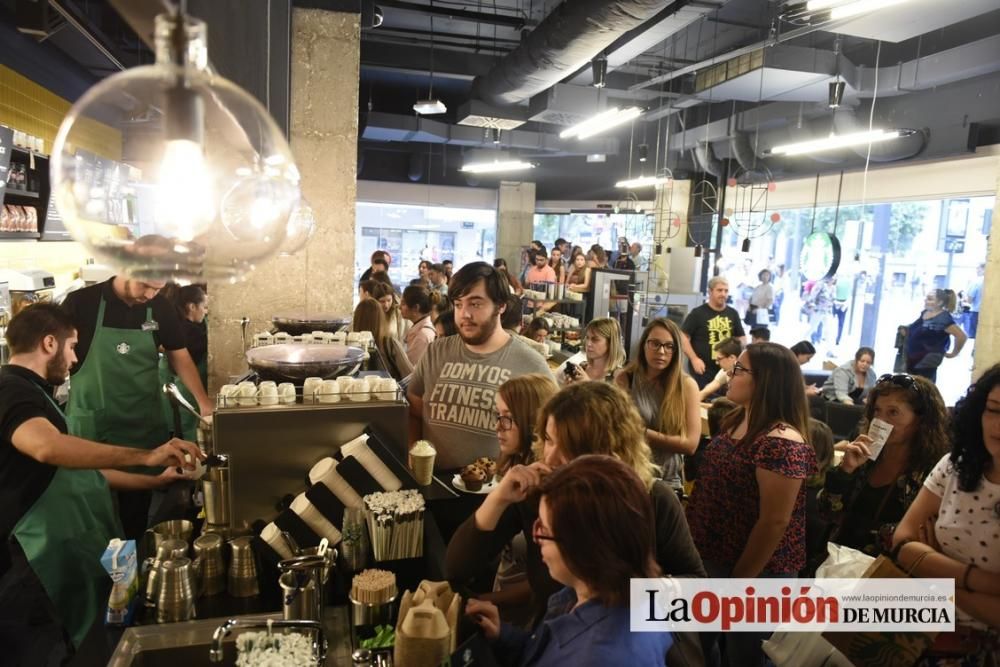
(586, 229)
(891, 255)
(414, 233)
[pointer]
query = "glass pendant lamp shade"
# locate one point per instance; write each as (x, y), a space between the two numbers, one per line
(301, 225)
(193, 180)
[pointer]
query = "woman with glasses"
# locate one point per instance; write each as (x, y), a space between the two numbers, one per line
(867, 494)
(604, 350)
(667, 398)
(747, 512)
(594, 532)
(583, 418)
(517, 403)
(928, 338)
(952, 529)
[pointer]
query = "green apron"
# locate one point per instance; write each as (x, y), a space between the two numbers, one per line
(115, 397)
(63, 536)
(189, 423)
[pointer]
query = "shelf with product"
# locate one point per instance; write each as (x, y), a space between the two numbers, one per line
(24, 187)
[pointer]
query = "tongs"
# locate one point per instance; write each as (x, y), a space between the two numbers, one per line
(171, 390)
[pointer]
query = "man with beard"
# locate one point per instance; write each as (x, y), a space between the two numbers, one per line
(452, 391)
(115, 392)
(56, 511)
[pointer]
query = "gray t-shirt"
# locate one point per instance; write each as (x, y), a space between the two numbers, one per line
(458, 388)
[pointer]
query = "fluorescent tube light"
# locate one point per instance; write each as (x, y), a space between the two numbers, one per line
(603, 121)
(497, 166)
(840, 9)
(642, 182)
(428, 107)
(835, 141)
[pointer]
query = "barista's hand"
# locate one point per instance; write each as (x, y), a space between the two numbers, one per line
(172, 453)
(486, 616)
(519, 481)
(168, 477)
(206, 407)
(698, 366)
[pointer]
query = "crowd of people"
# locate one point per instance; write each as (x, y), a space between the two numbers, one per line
(760, 496)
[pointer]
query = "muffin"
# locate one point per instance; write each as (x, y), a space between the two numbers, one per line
(473, 476)
(489, 466)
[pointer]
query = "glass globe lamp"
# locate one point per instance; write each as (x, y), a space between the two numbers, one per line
(170, 172)
(301, 225)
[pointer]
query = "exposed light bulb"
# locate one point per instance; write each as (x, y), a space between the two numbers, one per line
(184, 204)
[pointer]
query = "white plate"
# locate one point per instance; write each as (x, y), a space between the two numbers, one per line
(457, 482)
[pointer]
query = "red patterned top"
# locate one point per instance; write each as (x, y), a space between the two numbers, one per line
(725, 504)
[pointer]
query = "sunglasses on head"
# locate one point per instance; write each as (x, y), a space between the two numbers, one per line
(902, 380)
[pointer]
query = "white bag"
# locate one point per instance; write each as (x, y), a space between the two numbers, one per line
(843, 563)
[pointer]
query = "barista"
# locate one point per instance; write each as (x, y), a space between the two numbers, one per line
(56, 511)
(115, 392)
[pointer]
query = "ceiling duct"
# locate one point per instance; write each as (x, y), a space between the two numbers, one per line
(566, 40)
(753, 166)
(479, 114)
(846, 122)
(705, 160)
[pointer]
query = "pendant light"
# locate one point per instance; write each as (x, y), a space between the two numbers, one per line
(199, 181)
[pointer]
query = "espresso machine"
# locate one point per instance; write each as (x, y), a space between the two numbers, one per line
(27, 286)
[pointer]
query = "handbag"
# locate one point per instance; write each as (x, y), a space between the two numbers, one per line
(883, 649)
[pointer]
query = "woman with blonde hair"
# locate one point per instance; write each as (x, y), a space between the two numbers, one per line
(583, 418)
(396, 324)
(605, 353)
(369, 316)
(666, 397)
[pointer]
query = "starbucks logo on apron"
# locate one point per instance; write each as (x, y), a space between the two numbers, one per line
(122, 348)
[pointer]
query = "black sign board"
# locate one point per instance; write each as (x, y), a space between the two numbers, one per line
(54, 229)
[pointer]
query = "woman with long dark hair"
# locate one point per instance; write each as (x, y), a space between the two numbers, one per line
(747, 512)
(191, 302)
(666, 396)
(416, 306)
(952, 529)
(595, 533)
(864, 497)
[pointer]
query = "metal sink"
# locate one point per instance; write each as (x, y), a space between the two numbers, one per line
(188, 643)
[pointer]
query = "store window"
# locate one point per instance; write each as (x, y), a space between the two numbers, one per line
(891, 255)
(586, 229)
(414, 233)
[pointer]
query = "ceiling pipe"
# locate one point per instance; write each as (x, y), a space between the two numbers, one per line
(705, 160)
(566, 40)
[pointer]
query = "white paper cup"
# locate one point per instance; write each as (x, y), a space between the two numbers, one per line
(421, 463)
(272, 535)
(315, 519)
(267, 393)
(286, 393)
(309, 389)
(325, 473)
(246, 394)
(329, 392)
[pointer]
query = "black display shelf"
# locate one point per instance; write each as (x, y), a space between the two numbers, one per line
(22, 193)
(19, 236)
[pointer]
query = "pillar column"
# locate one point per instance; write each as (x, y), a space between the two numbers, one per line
(987, 351)
(325, 49)
(515, 221)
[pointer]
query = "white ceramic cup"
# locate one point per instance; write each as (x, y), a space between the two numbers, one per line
(282, 337)
(267, 393)
(247, 394)
(309, 388)
(262, 339)
(387, 388)
(360, 390)
(228, 393)
(286, 393)
(329, 392)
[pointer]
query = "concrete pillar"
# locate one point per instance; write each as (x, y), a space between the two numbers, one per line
(987, 351)
(324, 134)
(515, 221)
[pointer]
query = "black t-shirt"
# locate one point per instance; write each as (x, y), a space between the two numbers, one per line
(22, 478)
(195, 339)
(707, 327)
(82, 306)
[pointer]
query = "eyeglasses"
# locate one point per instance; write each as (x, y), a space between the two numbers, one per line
(537, 535)
(902, 380)
(503, 422)
(739, 368)
(656, 346)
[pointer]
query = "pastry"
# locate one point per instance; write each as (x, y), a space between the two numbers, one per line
(488, 465)
(473, 476)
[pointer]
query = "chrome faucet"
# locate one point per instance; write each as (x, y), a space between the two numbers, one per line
(215, 654)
